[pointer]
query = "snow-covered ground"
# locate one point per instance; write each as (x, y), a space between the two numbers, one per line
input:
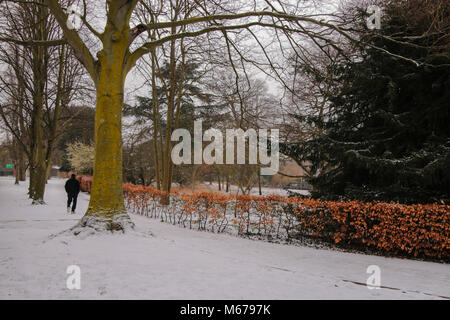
(161, 261)
(265, 191)
(233, 189)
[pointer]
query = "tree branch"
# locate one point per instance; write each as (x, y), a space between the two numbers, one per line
(145, 48)
(81, 51)
(30, 43)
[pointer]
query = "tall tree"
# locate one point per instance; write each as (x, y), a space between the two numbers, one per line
(191, 102)
(387, 135)
(40, 80)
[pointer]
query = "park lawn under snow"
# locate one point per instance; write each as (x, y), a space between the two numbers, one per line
(161, 261)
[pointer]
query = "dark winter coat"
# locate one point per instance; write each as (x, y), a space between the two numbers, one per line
(72, 186)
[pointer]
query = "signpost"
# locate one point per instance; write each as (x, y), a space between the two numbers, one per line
(9, 166)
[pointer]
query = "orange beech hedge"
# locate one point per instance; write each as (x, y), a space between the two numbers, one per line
(412, 230)
(389, 228)
(85, 182)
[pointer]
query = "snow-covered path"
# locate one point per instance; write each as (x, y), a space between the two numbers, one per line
(177, 263)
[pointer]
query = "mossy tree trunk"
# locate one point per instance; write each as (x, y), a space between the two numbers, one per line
(61, 98)
(106, 206)
(106, 202)
(40, 60)
(20, 164)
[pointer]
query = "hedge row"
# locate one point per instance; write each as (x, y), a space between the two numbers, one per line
(389, 228)
(85, 182)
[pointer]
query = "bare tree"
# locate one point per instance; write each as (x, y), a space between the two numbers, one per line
(39, 82)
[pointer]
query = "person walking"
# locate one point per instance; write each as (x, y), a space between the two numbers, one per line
(72, 188)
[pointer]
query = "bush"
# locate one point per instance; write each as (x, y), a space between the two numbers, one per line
(388, 228)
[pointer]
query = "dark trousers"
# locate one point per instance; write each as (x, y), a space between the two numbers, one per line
(70, 198)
